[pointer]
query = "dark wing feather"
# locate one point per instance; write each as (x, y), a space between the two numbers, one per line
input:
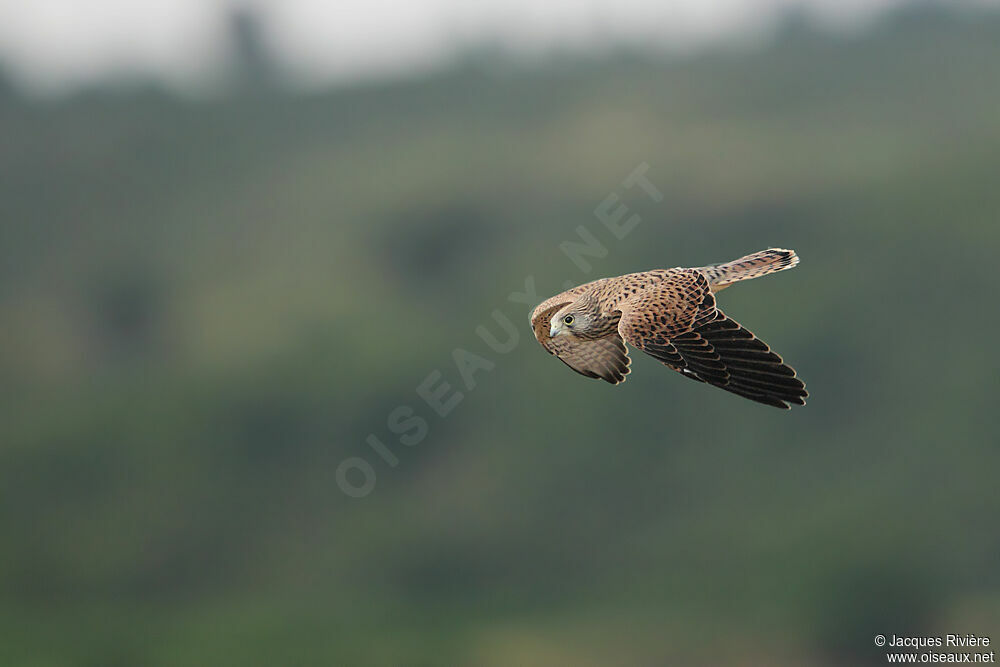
(678, 323)
(742, 363)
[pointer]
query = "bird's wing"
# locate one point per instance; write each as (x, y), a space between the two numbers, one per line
(678, 323)
(605, 358)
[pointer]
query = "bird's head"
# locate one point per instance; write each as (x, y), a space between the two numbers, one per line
(569, 320)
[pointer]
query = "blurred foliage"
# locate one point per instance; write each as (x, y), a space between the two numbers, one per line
(207, 306)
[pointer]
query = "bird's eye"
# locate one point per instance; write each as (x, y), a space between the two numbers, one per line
(569, 319)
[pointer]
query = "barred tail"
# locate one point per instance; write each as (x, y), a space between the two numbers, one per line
(756, 265)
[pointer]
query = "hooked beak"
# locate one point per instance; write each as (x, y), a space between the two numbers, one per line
(554, 330)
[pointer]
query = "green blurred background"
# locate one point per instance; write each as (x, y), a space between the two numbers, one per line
(206, 305)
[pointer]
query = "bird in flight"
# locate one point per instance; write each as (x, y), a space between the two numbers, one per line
(670, 314)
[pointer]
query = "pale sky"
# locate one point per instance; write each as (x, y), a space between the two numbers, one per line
(55, 45)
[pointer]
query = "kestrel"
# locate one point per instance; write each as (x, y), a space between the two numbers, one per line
(671, 315)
